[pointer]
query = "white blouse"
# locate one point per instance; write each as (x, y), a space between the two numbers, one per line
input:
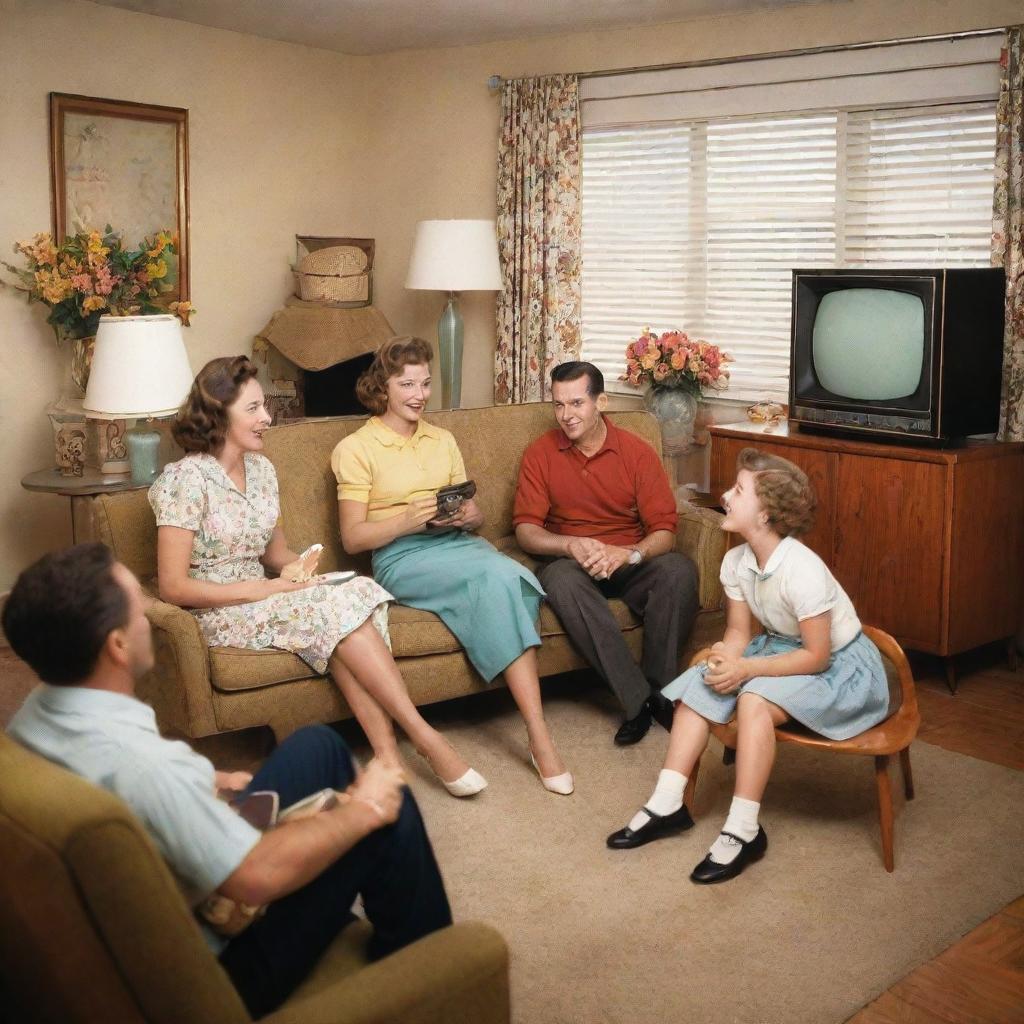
(795, 585)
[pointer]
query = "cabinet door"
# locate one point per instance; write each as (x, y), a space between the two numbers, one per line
(987, 571)
(889, 544)
(819, 466)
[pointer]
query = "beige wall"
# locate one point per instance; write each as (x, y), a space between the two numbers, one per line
(274, 134)
(287, 139)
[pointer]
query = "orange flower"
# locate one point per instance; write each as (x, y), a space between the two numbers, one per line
(182, 310)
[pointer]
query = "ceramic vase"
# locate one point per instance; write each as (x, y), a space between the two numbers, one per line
(69, 435)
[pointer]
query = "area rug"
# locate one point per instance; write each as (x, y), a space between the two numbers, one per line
(810, 934)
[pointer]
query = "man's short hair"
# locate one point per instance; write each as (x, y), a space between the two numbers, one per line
(61, 611)
(574, 370)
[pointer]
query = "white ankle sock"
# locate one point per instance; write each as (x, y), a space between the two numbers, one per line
(667, 797)
(742, 822)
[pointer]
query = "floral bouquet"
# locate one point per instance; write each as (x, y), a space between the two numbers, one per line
(674, 360)
(90, 274)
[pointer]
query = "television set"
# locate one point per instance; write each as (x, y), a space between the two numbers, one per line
(913, 355)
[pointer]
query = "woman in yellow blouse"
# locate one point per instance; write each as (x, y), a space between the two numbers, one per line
(389, 472)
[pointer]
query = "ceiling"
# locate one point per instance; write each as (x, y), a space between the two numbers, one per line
(380, 26)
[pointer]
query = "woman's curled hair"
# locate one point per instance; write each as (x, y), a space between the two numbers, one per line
(202, 421)
(391, 358)
(783, 489)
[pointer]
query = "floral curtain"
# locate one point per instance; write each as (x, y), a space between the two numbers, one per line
(538, 235)
(1008, 228)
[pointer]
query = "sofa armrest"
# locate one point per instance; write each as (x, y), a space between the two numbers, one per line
(700, 535)
(455, 975)
(179, 687)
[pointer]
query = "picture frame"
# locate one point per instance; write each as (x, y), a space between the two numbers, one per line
(123, 164)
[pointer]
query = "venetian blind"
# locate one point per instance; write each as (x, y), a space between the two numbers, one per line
(697, 223)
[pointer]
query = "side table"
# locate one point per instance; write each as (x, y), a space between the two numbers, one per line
(80, 489)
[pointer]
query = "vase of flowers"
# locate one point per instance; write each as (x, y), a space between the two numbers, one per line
(91, 274)
(675, 369)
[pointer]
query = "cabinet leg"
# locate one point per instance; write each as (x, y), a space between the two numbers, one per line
(950, 665)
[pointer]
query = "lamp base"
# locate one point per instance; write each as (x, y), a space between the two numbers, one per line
(143, 449)
(105, 449)
(449, 344)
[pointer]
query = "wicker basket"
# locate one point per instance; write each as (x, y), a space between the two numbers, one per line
(336, 274)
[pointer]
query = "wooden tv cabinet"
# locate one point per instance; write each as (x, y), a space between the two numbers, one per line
(928, 542)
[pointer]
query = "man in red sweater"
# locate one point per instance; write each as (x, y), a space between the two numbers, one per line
(595, 500)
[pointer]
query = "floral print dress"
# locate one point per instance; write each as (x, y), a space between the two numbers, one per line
(231, 532)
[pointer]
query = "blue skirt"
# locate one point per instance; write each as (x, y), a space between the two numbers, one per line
(490, 602)
(851, 695)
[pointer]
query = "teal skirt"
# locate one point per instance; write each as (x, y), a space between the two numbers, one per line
(489, 601)
(851, 695)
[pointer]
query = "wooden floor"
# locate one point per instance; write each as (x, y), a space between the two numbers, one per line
(980, 979)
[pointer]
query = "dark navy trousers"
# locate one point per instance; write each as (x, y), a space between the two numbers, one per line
(393, 869)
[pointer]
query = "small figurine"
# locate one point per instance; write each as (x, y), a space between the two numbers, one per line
(768, 413)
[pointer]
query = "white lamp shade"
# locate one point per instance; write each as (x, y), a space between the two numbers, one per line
(454, 256)
(139, 368)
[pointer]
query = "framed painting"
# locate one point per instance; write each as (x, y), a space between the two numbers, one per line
(122, 164)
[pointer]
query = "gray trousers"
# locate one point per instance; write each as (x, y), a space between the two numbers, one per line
(661, 591)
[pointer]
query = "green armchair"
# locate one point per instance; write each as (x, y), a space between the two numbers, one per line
(93, 929)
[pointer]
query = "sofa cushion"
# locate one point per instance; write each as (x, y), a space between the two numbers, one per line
(234, 668)
(414, 633)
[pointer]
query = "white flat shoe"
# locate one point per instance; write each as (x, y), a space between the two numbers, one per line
(468, 784)
(560, 784)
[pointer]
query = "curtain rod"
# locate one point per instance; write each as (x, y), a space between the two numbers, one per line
(796, 81)
(495, 81)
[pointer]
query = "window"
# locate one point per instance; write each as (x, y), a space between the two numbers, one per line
(696, 223)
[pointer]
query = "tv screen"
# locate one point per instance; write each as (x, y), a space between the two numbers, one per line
(869, 343)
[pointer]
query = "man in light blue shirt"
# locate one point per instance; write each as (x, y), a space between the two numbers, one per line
(78, 618)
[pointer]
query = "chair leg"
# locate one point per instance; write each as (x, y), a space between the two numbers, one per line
(691, 786)
(908, 775)
(884, 808)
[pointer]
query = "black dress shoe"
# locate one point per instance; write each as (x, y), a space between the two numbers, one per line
(662, 710)
(708, 871)
(658, 825)
(634, 729)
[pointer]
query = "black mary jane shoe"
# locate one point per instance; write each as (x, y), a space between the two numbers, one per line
(708, 871)
(633, 730)
(658, 825)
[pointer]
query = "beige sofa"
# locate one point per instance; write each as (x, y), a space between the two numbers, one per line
(199, 691)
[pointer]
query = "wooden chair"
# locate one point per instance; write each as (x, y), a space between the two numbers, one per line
(891, 736)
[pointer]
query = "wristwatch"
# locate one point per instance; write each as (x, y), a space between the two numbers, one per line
(636, 556)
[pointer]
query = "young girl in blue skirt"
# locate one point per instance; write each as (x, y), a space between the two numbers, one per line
(812, 664)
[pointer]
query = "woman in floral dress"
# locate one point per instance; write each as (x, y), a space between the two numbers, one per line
(219, 535)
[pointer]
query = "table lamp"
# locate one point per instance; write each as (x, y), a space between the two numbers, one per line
(453, 256)
(139, 370)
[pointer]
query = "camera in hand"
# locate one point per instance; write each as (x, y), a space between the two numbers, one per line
(450, 498)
